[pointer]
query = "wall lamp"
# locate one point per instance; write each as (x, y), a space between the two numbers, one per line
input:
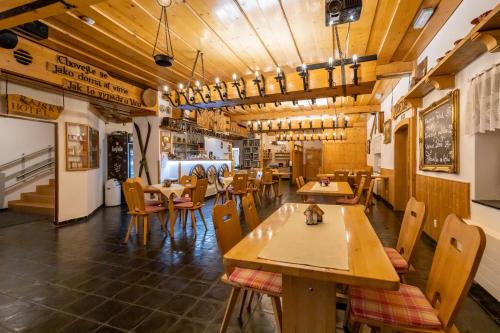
(304, 74)
(259, 79)
(221, 88)
(281, 79)
(237, 83)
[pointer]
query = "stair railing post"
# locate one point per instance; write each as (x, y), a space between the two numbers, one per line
(2, 189)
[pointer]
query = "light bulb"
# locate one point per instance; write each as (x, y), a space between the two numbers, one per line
(278, 70)
(181, 86)
(256, 74)
(165, 88)
(304, 67)
(217, 80)
(330, 61)
(197, 84)
(235, 77)
(355, 59)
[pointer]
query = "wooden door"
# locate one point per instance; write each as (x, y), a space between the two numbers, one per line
(312, 163)
(401, 168)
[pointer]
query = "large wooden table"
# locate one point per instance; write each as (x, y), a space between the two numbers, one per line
(343, 189)
(309, 293)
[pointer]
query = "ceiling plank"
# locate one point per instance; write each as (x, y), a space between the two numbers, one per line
(38, 14)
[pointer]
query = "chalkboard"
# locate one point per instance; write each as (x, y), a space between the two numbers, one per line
(438, 135)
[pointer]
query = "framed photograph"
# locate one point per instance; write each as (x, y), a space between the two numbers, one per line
(438, 135)
(387, 131)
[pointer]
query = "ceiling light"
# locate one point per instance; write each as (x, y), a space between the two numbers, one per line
(163, 59)
(88, 20)
(378, 96)
(423, 17)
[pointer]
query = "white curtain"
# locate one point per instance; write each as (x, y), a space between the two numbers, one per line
(483, 105)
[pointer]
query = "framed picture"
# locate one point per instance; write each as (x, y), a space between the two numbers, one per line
(387, 131)
(420, 71)
(438, 135)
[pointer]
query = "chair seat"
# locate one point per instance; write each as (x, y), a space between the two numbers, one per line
(400, 264)
(260, 280)
(153, 202)
(351, 201)
(154, 209)
(182, 199)
(184, 205)
(407, 307)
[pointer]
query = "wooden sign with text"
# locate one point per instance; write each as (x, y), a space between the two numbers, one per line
(63, 71)
(28, 107)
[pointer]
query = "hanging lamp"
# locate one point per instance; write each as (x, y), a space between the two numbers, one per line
(164, 59)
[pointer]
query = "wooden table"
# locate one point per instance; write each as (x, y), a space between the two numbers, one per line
(343, 189)
(168, 194)
(280, 175)
(309, 293)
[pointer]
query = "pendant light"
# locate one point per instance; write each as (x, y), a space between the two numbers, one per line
(164, 59)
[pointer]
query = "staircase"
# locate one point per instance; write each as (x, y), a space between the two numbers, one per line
(40, 202)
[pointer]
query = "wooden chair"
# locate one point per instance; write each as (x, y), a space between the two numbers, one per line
(252, 173)
(222, 192)
(252, 218)
(134, 196)
(239, 186)
(256, 188)
(359, 175)
(369, 196)
(228, 232)
(190, 183)
(341, 176)
(150, 202)
(268, 182)
(195, 205)
(458, 253)
(411, 229)
(300, 183)
(357, 196)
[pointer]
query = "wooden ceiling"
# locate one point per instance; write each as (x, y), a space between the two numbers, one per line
(236, 36)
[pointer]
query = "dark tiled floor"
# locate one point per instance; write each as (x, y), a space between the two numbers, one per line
(82, 278)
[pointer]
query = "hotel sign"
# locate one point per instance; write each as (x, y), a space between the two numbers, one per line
(73, 75)
(28, 107)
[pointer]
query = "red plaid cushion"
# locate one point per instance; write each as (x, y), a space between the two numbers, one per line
(406, 307)
(260, 280)
(400, 264)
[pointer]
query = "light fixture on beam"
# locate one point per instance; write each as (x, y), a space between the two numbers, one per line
(168, 94)
(221, 88)
(304, 74)
(281, 79)
(259, 79)
(330, 69)
(198, 90)
(237, 83)
(423, 16)
(355, 66)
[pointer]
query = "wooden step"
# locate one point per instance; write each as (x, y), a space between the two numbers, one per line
(32, 207)
(45, 189)
(52, 182)
(37, 197)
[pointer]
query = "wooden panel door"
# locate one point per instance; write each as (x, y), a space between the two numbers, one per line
(312, 163)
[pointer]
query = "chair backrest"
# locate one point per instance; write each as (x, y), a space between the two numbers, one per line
(302, 181)
(258, 180)
(458, 252)
(188, 180)
(267, 176)
(200, 191)
(340, 176)
(369, 195)
(227, 225)
(240, 183)
(127, 193)
(411, 228)
(252, 173)
(134, 195)
(252, 218)
(361, 186)
(367, 174)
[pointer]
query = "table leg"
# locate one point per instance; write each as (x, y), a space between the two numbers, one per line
(308, 305)
(171, 214)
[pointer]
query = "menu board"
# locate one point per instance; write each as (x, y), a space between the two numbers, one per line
(438, 128)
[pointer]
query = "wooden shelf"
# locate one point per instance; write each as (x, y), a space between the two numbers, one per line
(484, 37)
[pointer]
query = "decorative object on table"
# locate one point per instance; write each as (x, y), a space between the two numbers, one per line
(439, 135)
(387, 131)
(167, 183)
(324, 181)
(164, 59)
(314, 214)
(143, 148)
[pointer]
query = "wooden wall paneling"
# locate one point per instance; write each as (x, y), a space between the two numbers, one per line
(349, 154)
(386, 186)
(442, 197)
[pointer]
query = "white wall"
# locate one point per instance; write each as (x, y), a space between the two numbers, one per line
(80, 192)
(20, 136)
(153, 152)
(455, 28)
(214, 145)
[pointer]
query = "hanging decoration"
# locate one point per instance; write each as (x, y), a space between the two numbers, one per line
(164, 59)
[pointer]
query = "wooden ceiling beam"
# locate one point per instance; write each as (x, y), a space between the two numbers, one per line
(299, 113)
(41, 13)
(394, 69)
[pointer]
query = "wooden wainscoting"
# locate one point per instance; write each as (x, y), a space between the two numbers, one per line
(442, 197)
(349, 154)
(386, 186)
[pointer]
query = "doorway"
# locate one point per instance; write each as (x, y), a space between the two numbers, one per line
(404, 163)
(312, 163)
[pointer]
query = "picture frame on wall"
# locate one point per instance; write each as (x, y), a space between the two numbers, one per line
(438, 135)
(420, 71)
(387, 131)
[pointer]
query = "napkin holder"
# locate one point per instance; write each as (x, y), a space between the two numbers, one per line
(167, 183)
(324, 182)
(313, 214)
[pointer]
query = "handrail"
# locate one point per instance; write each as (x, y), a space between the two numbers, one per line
(26, 157)
(23, 175)
(27, 179)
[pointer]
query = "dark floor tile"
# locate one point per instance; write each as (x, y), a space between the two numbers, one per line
(175, 284)
(187, 326)
(130, 317)
(26, 319)
(152, 280)
(132, 293)
(111, 288)
(179, 304)
(157, 322)
(132, 276)
(79, 325)
(52, 323)
(219, 292)
(196, 288)
(84, 304)
(92, 284)
(204, 311)
(104, 312)
(154, 299)
(108, 329)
